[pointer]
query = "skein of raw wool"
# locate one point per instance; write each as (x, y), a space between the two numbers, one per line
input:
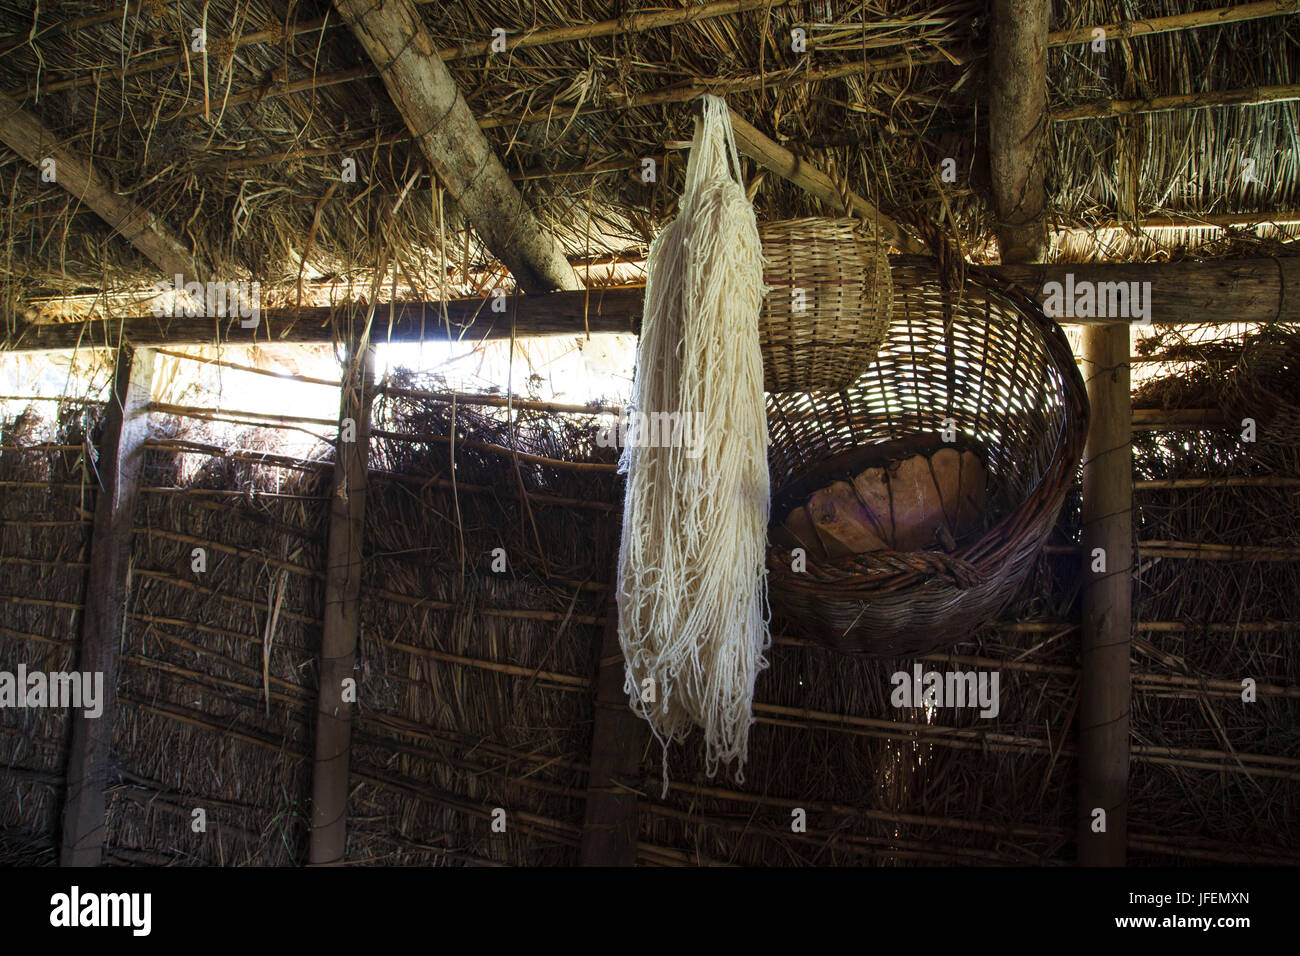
(692, 596)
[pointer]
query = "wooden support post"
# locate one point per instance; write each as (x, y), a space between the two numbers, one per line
(1018, 126)
(1106, 628)
(609, 830)
(342, 628)
(425, 94)
(121, 458)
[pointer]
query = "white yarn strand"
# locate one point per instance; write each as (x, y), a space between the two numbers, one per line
(692, 594)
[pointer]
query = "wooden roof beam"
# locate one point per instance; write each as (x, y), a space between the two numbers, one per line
(1018, 127)
(1228, 290)
(771, 155)
(31, 140)
(425, 94)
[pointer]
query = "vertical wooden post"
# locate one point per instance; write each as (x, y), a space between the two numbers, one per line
(329, 786)
(121, 459)
(1107, 598)
(609, 829)
(1018, 126)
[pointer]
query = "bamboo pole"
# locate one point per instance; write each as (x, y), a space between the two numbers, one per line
(1161, 419)
(1248, 96)
(1018, 127)
(1107, 592)
(265, 419)
(1192, 220)
(1132, 29)
(1234, 481)
(1194, 550)
(252, 370)
(344, 559)
(626, 25)
(120, 465)
(1208, 551)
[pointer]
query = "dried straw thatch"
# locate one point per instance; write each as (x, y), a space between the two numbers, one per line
(47, 496)
(239, 150)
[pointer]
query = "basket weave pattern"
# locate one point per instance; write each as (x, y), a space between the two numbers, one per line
(988, 359)
(842, 270)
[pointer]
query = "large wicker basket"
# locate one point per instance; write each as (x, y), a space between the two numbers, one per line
(829, 303)
(988, 359)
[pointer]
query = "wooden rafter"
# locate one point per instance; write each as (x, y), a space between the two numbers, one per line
(771, 155)
(31, 140)
(426, 96)
(1018, 127)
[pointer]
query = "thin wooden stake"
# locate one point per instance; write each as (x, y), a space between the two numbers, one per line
(609, 830)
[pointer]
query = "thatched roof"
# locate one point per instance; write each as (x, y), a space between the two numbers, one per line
(239, 151)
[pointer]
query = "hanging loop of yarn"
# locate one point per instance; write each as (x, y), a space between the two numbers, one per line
(692, 592)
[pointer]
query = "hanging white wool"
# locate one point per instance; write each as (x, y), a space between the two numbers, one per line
(692, 595)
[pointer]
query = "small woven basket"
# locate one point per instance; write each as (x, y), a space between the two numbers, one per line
(989, 360)
(829, 305)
